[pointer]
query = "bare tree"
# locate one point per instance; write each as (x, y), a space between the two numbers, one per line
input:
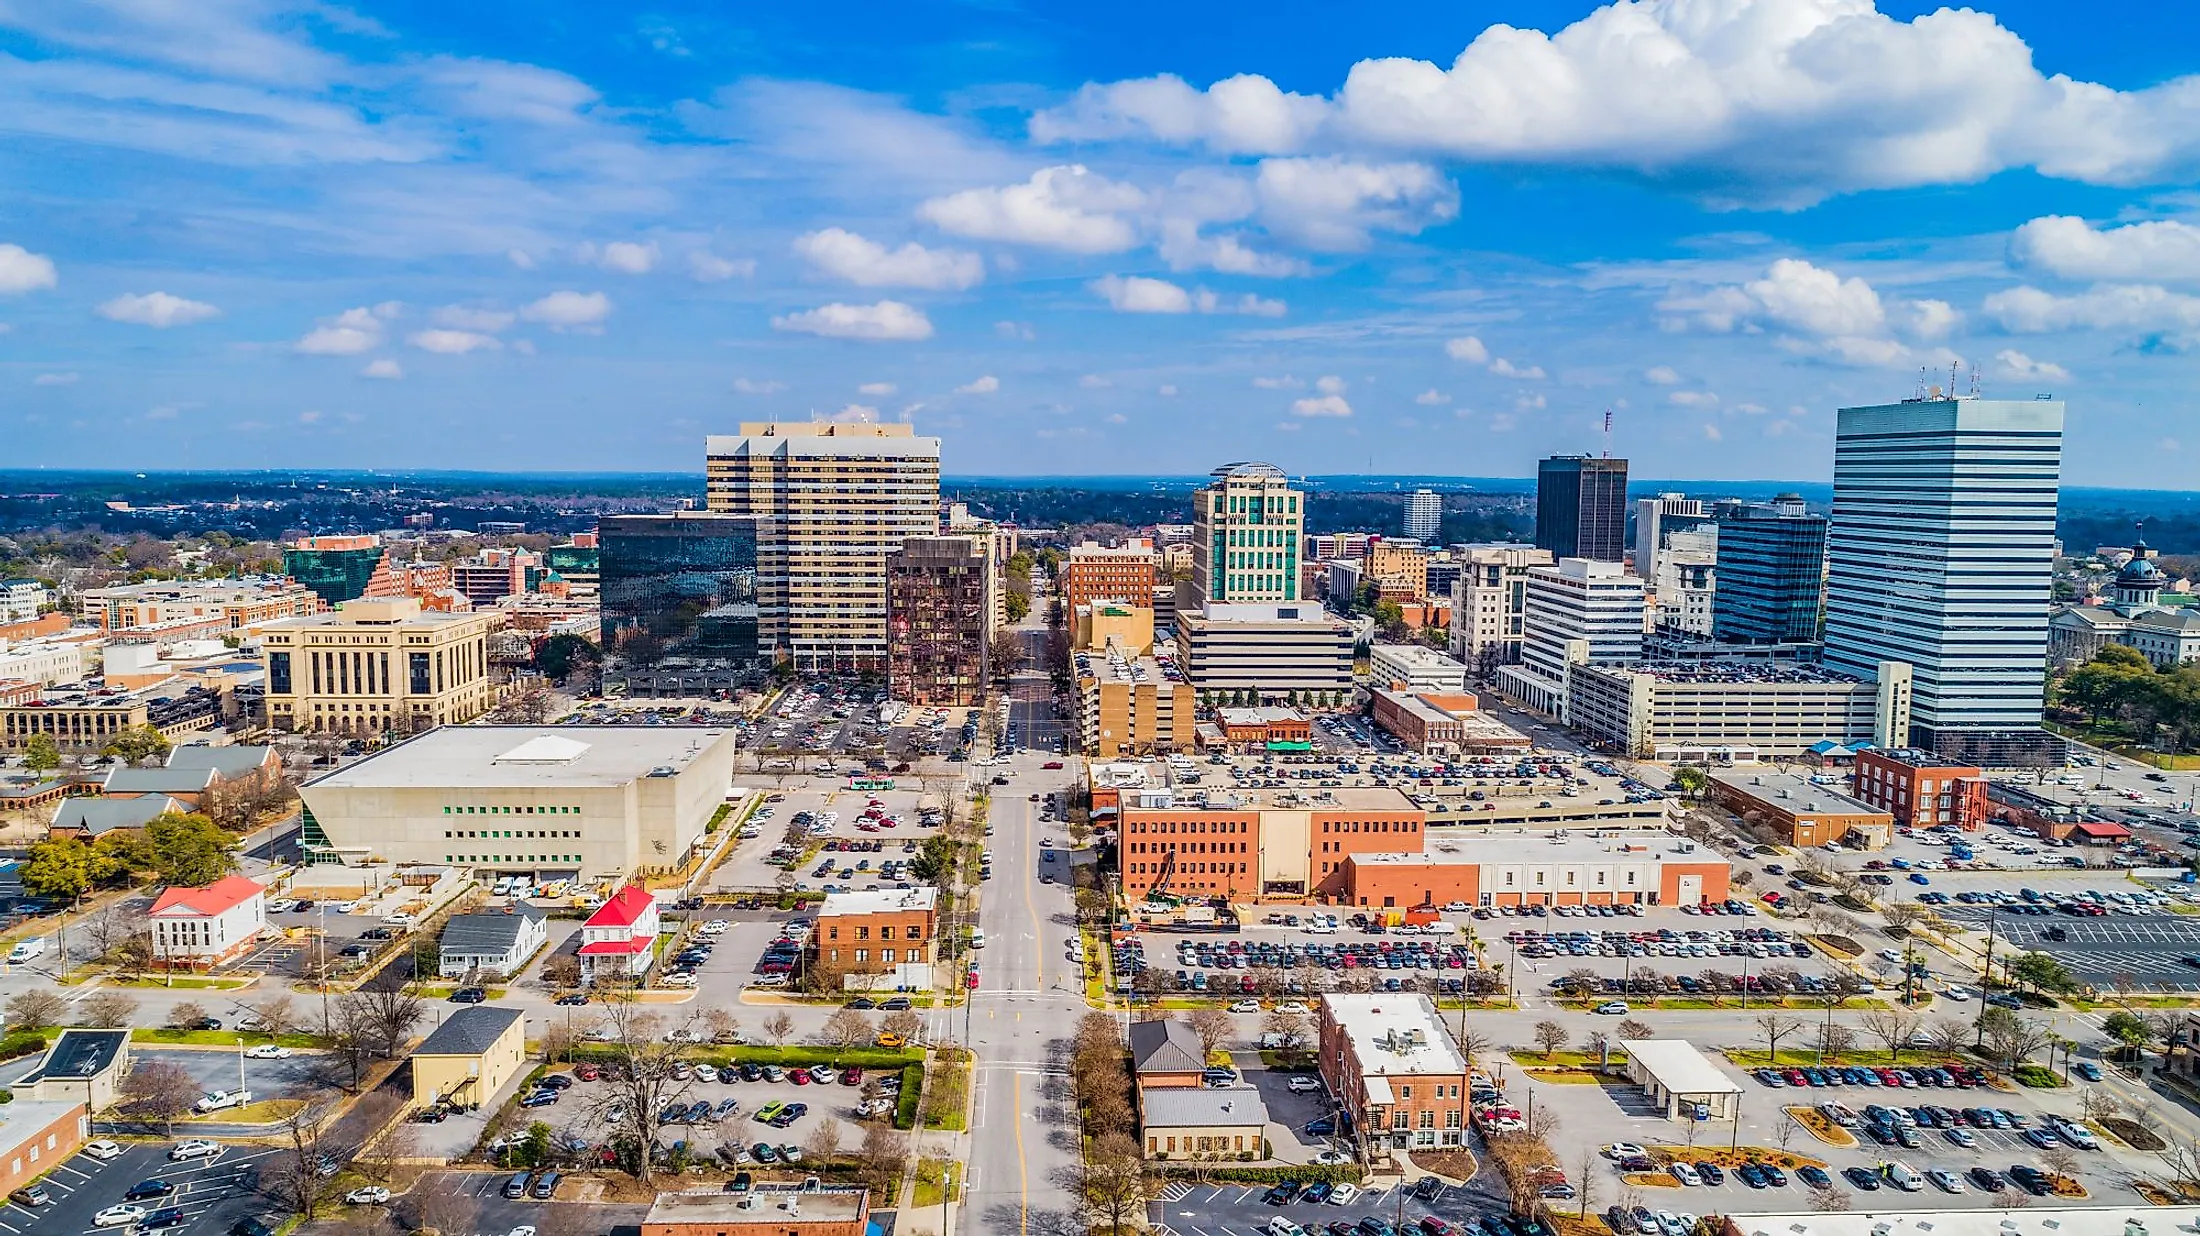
(563, 970)
(1213, 1026)
(1550, 1036)
(1948, 1034)
(2061, 1161)
(1828, 1198)
(823, 1144)
(385, 1012)
(449, 1213)
(1111, 1184)
(398, 1141)
(1632, 1029)
(885, 1156)
(1289, 1029)
(158, 1092)
(724, 1026)
(642, 1082)
(36, 1009)
(2013, 1039)
(903, 1023)
(1835, 1038)
(846, 1028)
(187, 1014)
(109, 1009)
(1892, 1026)
(303, 1171)
(778, 1026)
(1774, 1027)
(277, 1014)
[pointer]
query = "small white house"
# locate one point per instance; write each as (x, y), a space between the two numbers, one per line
(620, 936)
(201, 928)
(499, 942)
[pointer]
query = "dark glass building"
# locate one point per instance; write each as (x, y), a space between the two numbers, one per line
(1581, 507)
(336, 568)
(678, 598)
(1771, 569)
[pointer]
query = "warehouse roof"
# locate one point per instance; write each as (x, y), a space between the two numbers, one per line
(1202, 1107)
(527, 757)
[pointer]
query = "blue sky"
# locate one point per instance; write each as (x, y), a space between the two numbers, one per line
(1124, 238)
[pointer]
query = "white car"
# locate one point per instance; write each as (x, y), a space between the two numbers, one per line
(1455, 907)
(1245, 1006)
(196, 1148)
(1300, 1083)
(371, 1195)
(270, 1051)
(1956, 993)
(103, 1149)
(679, 980)
(119, 1216)
(1293, 1006)
(281, 905)
(1625, 1150)
(1344, 1194)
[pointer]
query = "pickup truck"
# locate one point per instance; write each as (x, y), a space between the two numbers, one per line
(221, 1100)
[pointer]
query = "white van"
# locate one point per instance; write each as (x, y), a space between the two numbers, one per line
(977, 937)
(24, 950)
(1901, 1177)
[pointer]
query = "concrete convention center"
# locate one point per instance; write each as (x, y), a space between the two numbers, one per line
(543, 802)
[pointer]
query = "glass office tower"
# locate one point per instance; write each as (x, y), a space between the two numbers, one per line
(679, 602)
(1771, 572)
(1581, 507)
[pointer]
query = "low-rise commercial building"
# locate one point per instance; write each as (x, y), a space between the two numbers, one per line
(377, 666)
(82, 1066)
(468, 1058)
(1266, 726)
(23, 599)
(1920, 789)
(1801, 810)
(36, 1137)
(1395, 1069)
(764, 1210)
(1126, 625)
(1415, 667)
(1204, 1123)
(878, 938)
(1663, 711)
(498, 942)
(1262, 652)
(1681, 1080)
(64, 658)
(180, 609)
(1448, 723)
(201, 928)
(1251, 844)
(535, 801)
(1166, 1054)
(1128, 706)
(1557, 868)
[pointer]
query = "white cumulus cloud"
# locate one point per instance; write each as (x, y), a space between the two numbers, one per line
(1506, 369)
(876, 388)
(1817, 312)
(1693, 399)
(466, 317)
(1765, 101)
(2121, 306)
(1284, 383)
(452, 342)
(1138, 294)
(578, 311)
(347, 334)
(1467, 348)
(2074, 249)
(24, 271)
(1431, 398)
(54, 379)
(867, 263)
(384, 369)
(979, 386)
(629, 258)
(1321, 405)
(2017, 365)
(1663, 375)
(751, 386)
(1330, 384)
(1094, 382)
(1067, 207)
(707, 267)
(886, 321)
(1334, 203)
(157, 309)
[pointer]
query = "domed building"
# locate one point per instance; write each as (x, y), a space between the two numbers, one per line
(2133, 616)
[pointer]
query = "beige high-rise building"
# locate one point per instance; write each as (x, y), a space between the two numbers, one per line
(1247, 529)
(1488, 601)
(831, 501)
(378, 666)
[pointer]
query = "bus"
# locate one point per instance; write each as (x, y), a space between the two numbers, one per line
(871, 783)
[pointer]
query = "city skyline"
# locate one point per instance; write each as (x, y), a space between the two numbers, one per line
(243, 236)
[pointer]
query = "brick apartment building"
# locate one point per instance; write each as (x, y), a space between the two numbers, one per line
(1095, 572)
(1395, 1069)
(1264, 843)
(876, 932)
(1558, 868)
(1920, 789)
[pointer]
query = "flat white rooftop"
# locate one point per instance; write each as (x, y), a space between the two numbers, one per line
(1679, 1067)
(1544, 845)
(2030, 1221)
(1396, 1034)
(879, 901)
(528, 757)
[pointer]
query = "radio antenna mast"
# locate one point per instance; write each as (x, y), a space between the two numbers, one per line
(1607, 433)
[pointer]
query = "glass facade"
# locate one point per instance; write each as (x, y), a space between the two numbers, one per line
(1581, 507)
(334, 575)
(1771, 569)
(678, 599)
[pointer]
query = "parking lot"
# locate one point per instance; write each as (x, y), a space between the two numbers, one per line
(1183, 1208)
(1276, 960)
(579, 1113)
(473, 1204)
(1589, 1117)
(828, 814)
(212, 1193)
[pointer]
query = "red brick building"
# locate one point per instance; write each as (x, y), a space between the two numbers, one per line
(1393, 1065)
(1095, 572)
(36, 1137)
(1920, 789)
(874, 932)
(1647, 868)
(1264, 843)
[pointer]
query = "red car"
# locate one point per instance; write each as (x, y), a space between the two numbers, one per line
(1051, 764)
(800, 1077)
(971, 979)
(852, 1075)
(588, 1072)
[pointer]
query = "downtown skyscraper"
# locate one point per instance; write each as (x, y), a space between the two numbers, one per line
(1940, 553)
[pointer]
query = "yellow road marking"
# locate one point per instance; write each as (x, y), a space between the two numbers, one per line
(1023, 1180)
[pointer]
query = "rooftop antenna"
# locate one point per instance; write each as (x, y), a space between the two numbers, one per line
(1920, 396)
(1974, 381)
(1953, 366)
(1607, 433)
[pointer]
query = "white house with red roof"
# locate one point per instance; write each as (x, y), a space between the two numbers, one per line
(200, 928)
(618, 938)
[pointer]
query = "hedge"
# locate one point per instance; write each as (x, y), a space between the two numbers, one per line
(1335, 1173)
(912, 1087)
(805, 1054)
(20, 1044)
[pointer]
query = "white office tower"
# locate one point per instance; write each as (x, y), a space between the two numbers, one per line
(1579, 611)
(1424, 515)
(1655, 521)
(1940, 553)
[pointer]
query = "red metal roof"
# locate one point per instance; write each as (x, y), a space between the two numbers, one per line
(625, 908)
(639, 944)
(223, 894)
(2093, 828)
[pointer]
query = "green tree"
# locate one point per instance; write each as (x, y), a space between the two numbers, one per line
(2127, 1028)
(2041, 972)
(560, 653)
(1019, 604)
(119, 853)
(934, 860)
(41, 754)
(1691, 781)
(136, 744)
(189, 850)
(58, 868)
